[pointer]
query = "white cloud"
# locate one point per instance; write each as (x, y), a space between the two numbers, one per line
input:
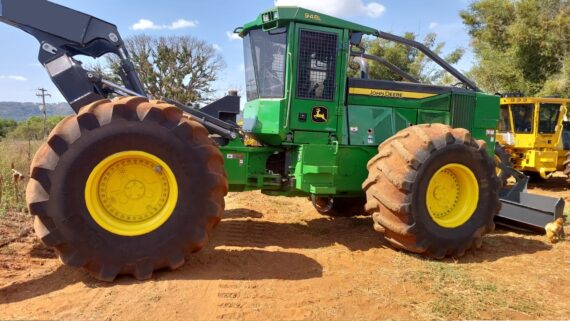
(338, 7)
(183, 24)
(145, 24)
(13, 77)
(216, 47)
(232, 36)
(444, 30)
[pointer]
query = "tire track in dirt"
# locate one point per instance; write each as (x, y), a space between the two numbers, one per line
(238, 229)
(241, 233)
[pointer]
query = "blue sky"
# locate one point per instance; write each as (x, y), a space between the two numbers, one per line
(212, 20)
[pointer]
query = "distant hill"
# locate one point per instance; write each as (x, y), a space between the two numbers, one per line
(22, 111)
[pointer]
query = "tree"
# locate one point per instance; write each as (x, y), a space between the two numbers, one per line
(6, 126)
(411, 60)
(521, 45)
(182, 68)
(33, 128)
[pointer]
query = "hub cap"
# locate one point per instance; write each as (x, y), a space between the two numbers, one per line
(452, 195)
(131, 193)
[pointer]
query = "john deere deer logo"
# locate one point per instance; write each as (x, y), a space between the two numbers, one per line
(320, 115)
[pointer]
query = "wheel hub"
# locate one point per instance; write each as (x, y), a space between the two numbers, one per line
(452, 195)
(131, 193)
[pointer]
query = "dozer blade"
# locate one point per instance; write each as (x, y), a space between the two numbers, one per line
(524, 211)
(530, 212)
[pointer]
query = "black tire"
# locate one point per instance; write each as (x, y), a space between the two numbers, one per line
(535, 178)
(504, 158)
(396, 193)
(61, 167)
(339, 206)
(567, 166)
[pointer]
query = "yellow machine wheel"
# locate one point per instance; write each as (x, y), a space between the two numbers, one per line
(131, 193)
(433, 190)
(452, 195)
(127, 186)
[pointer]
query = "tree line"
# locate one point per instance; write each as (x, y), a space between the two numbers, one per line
(30, 129)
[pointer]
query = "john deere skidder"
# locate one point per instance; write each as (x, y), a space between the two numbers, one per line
(131, 185)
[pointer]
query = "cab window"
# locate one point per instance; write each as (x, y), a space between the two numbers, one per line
(523, 118)
(548, 118)
(265, 53)
(317, 65)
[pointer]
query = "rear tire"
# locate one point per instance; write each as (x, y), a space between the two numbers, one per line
(535, 178)
(399, 184)
(502, 157)
(339, 206)
(103, 227)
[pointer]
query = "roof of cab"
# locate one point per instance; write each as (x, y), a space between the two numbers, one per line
(279, 16)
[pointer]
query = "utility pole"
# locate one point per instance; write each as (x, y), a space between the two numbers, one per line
(42, 92)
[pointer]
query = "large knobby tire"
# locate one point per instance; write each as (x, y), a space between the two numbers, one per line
(422, 187)
(127, 187)
(501, 157)
(339, 206)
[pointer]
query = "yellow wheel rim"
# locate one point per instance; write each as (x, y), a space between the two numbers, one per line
(452, 195)
(131, 193)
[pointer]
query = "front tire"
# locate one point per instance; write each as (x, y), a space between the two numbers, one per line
(127, 187)
(442, 200)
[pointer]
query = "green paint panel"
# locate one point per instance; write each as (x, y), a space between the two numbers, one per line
(326, 170)
(352, 161)
(370, 125)
(485, 120)
(311, 137)
(264, 119)
(246, 167)
(433, 117)
(315, 169)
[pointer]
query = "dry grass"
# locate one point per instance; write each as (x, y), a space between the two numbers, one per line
(455, 294)
(15, 153)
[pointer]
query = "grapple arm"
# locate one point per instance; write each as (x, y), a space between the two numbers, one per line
(64, 33)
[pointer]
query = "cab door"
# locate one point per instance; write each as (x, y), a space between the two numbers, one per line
(316, 89)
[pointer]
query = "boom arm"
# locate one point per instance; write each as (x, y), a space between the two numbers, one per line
(432, 55)
(64, 33)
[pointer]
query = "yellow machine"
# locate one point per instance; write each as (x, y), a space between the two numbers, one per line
(532, 132)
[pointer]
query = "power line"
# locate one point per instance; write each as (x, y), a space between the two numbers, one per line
(43, 93)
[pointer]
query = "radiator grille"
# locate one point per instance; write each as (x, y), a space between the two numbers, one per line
(462, 111)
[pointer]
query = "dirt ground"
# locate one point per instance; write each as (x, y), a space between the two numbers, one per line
(276, 258)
